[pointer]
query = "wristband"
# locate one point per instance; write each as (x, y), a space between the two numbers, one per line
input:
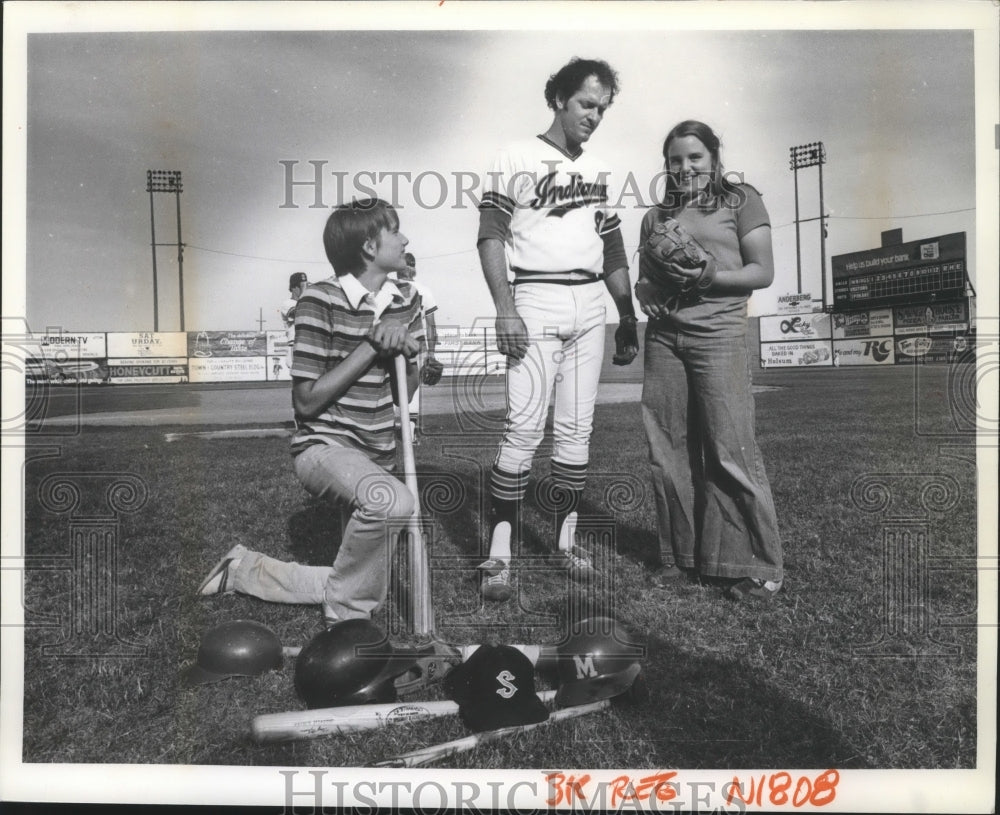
(707, 276)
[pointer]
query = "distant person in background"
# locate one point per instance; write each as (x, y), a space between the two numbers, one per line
(715, 511)
(296, 285)
(430, 368)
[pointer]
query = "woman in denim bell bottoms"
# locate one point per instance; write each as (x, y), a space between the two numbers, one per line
(714, 506)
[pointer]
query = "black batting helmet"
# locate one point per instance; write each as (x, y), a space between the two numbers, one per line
(236, 648)
(599, 660)
(351, 663)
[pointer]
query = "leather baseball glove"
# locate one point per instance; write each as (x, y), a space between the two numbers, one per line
(676, 260)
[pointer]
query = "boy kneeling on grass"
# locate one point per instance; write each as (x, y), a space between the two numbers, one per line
(348, 329)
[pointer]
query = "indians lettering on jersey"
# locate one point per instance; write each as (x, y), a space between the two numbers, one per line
(557, 205)
(559, 199)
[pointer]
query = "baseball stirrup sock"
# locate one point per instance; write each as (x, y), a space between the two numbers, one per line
(565, 487)
(506, 491)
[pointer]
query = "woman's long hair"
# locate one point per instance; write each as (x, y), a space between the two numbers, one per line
(719, 191)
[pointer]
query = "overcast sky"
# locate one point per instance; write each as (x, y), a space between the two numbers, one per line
(894, 108)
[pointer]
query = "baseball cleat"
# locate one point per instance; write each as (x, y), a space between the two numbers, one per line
(218, 580)
(754, 587)
(580, 567)
(495, 585)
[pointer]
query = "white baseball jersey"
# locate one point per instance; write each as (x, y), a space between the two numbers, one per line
(558, 207)
(428, 305)
(427, 302)
(287, 312)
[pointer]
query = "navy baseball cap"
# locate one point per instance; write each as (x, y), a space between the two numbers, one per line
(494, 688)
(297, 279)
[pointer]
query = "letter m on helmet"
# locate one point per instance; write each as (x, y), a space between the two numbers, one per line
(584, 666)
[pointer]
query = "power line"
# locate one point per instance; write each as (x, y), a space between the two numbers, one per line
(473, 251)
(250, 257)
(893, 217)
(883, 217)
(313, 262)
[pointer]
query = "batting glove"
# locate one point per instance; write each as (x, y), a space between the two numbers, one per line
(431, 372)
(626, 341)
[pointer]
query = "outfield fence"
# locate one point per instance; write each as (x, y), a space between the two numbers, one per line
(164, 357)
(937, 333)
(903, 335)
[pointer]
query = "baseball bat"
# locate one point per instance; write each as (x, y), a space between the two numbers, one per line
(312, 724)
(421, 613)
(426, 755)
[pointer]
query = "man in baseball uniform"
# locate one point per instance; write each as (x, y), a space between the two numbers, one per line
(297, 283)
(546, 217)
(430, 368)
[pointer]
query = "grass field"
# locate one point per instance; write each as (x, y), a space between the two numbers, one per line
(855, 460)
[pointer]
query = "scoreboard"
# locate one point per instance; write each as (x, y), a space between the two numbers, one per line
(921, 271)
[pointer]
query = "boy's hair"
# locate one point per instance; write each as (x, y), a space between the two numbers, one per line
(349, 226)
(567, 81)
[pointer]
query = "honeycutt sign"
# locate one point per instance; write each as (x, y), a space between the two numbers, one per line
(136, 370)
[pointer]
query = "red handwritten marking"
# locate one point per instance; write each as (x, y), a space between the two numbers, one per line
(567, 788)
(818, 792)
(623, 790)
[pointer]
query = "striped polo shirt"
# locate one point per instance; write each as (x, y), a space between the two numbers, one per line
(332, 318)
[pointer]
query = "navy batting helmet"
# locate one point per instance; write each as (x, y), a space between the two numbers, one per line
(236, 648)
(599, 660)
(351, 663)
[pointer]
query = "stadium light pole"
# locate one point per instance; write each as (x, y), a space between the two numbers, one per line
(166, 181)
(802, 156)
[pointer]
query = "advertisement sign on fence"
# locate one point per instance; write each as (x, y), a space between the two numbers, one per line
(277, 343)
(795, 354)
(66, 346)
(277, 369)
(930, 349)
(67, 359)
(782, 328)
(796, 303)
(147, 344)
(228, 369)
(137, 370)
(876, 351)
(204, 344)
(67, 372)
(854, 324)
(935, 317)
